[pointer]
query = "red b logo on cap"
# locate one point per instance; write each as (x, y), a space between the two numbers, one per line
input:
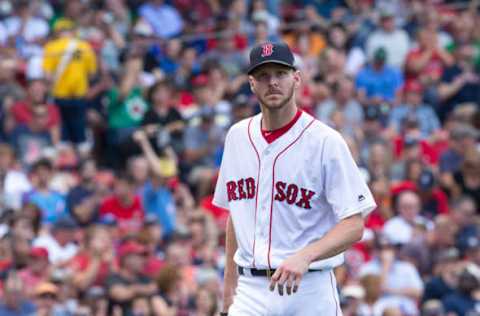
(267, 49)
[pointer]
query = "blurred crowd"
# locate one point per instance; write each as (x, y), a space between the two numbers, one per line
(112, 121)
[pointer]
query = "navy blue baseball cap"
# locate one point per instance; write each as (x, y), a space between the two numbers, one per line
(277, 53)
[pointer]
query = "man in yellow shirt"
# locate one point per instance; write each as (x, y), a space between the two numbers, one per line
(69, 63)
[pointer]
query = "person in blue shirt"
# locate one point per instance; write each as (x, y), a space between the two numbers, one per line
(462, 301)
(50, 202)
(413, 107)
(378, 82)
(165, 19)
(157, 199)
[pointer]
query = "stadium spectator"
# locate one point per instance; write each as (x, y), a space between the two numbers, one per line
(69, 63)
(378, 82)
(128, 284)
(394, 40)
(51, 203)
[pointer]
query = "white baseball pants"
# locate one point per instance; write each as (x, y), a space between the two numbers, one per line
(316, 296)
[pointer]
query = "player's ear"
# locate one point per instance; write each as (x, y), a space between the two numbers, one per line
(298, 78)
(251, 83)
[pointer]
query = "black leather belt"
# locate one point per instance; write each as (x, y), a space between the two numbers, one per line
(264, 272)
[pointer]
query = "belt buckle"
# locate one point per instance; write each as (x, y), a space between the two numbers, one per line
(269, 273)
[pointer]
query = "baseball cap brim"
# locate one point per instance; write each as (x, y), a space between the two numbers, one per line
(279, 62)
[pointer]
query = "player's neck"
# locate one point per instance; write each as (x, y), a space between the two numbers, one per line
(277, 118)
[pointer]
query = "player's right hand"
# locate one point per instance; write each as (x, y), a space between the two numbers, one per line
(290, 272)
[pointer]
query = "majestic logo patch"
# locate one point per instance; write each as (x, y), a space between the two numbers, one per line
(267, 50)
(361, 198)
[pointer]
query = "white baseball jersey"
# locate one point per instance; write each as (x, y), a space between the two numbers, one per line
(287, 194)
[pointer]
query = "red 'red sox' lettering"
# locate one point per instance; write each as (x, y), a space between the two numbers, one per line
(289, 193)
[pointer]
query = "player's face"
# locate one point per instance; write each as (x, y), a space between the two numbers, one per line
(274, 85)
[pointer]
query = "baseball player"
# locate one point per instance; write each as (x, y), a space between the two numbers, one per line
(296, 200)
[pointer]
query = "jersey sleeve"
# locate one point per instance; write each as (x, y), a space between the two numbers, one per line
(220, 197)
(345, 189)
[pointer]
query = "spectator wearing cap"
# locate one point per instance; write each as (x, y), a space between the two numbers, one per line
(47, 300)
(372, 130)
(241, 108)
(51, 203)
(377, 82)
(69, 63)
(129, 282)
(394, 40)
(462, 138)
(14, 182)
(400, 283)
(446, 266)
(93, 264)
(13, 301)
(413, 106)
(421, 179)
(462, 211)
(434, 200)
(83, 199)
(462, 300)
(460, 82)
(164, 18)
(37, 271)
(342, 100)
(60, 241)
(124, 204)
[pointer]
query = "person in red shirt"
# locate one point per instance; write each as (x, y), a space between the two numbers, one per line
(23, 111)
(426, 62)
(37, 270)
(124, 205)
(92, 265)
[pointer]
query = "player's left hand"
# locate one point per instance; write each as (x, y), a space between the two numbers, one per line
(290, 272)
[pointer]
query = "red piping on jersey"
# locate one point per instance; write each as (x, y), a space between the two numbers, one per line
(256, 191)
(333, 293)
(273, 186)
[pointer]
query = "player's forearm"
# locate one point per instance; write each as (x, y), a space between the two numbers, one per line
(337, 240)
(230, 273)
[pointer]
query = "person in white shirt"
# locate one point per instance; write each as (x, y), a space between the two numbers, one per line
(395, 41)
(401, 284)
(60, 242)
(400, 229)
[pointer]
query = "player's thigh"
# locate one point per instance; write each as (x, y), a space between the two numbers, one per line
(318, 295)
(250, 299)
